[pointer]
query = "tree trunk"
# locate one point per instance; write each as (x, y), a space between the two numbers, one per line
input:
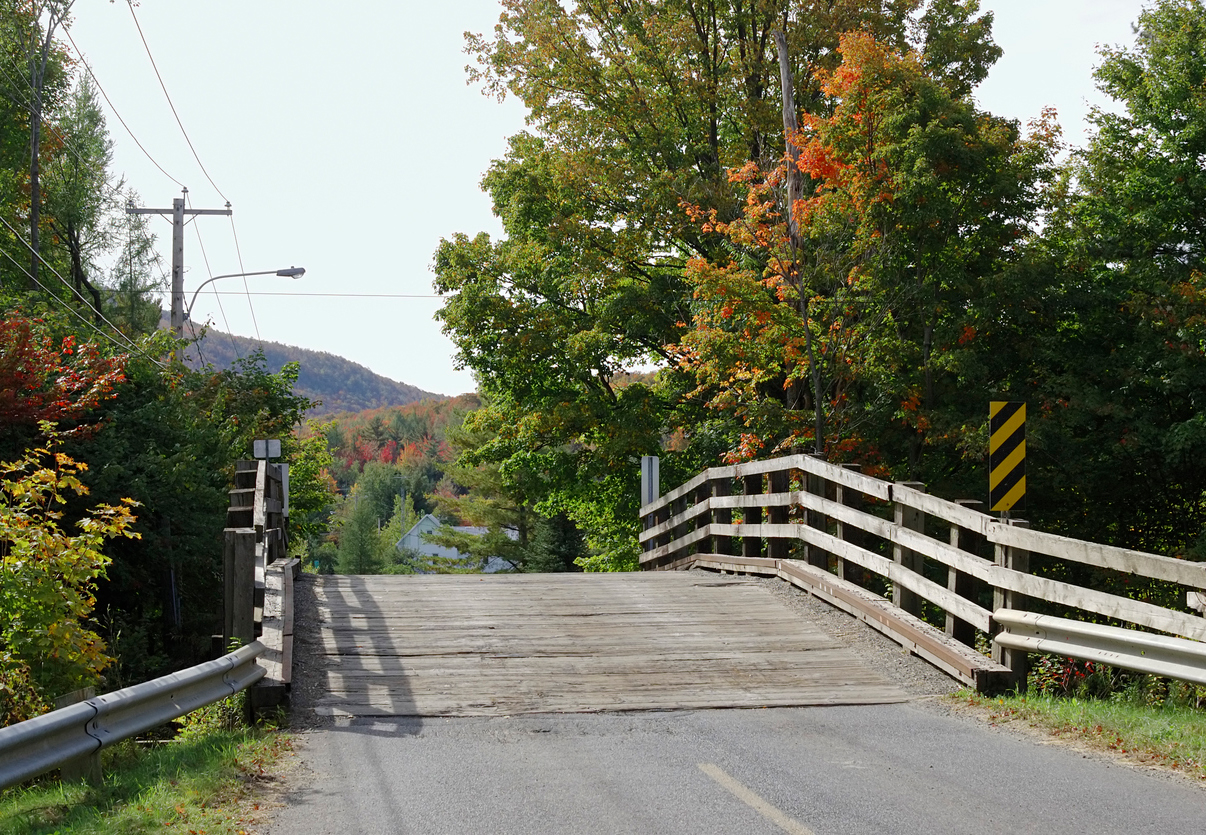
(791, 125)
(37, 79)
(795, 193)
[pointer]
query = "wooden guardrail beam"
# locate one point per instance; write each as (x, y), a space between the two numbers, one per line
(699, 515)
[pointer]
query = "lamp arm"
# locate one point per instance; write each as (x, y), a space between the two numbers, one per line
(201, 286)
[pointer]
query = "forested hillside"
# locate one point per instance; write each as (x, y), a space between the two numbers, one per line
(337, 384)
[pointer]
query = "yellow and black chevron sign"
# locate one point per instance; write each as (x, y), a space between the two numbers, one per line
(1006, 455)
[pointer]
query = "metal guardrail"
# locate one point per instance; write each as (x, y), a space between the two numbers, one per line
(1144, 652)
(38, 745)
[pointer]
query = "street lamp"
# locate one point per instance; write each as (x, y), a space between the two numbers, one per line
(288, 272)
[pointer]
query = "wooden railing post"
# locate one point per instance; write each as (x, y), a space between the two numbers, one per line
(238, 562)
(722, 515)
(662, 517)
(751, 546)
(849, 533)
(961, 583)
(777, 514)
(702, 494)
(1015, 559)
(818, 486)
(913, 519)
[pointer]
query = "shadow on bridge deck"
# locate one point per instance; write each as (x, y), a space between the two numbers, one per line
(491, 645)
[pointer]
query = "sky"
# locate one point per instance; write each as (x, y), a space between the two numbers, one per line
(348, 143)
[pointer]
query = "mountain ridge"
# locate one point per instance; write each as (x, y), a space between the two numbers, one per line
(339, 383)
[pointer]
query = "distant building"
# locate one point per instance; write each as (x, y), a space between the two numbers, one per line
(413, 540)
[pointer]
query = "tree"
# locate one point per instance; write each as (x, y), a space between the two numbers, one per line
(312, 492)
(557, 546)
(46, 17)
(78, 201)
(44, 381)
(170, 439)
(829, 319)
(1118, 361)
(635, 110)
(130, 303)
(484, 499)
(48, 579)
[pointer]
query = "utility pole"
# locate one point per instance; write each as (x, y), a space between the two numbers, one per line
(178, 213)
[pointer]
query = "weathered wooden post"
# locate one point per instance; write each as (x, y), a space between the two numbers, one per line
(960, 582)
(1015, 559)
(779, 548)
(819, 486)
(238, 563)
(722, 488)
(703, 493)
(851, 498)
(751, 546)
(913, 519)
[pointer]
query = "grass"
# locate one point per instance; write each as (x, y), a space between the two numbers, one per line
(1167, 735)
(200, 783)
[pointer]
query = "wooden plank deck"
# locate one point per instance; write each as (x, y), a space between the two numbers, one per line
(485, 645)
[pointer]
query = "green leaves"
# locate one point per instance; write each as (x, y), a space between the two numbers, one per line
(48, 579)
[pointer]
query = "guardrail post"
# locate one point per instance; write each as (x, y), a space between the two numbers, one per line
(1015, 559)
(778, 547)
(852, 498)
(961, 583)
(87, 767)
(722, 487)
(238, 559)
(702, 494)
(751, 546)
(913, 519)
(818, 486)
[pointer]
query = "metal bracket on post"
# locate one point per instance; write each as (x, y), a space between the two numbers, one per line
(650, 487)
(650, 492)
(85, 767)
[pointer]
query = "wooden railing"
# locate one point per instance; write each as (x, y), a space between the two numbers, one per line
(257, 580)
(883, 550)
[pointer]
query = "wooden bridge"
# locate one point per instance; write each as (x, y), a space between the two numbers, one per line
(668, 639)
(470, 645)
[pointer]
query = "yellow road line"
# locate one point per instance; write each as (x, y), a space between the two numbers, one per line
(755, 802)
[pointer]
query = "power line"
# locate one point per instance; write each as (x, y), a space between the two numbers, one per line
(65, 282)
(331, 295)
(147, 47)
(243, 270)
(109, 101)
(81, 316)
(208, 269)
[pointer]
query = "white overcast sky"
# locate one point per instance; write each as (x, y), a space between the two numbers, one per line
(347, 142)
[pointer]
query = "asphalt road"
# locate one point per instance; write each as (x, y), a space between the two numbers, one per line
(903, 768)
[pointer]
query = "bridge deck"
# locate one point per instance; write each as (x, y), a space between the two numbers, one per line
(473, 645)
